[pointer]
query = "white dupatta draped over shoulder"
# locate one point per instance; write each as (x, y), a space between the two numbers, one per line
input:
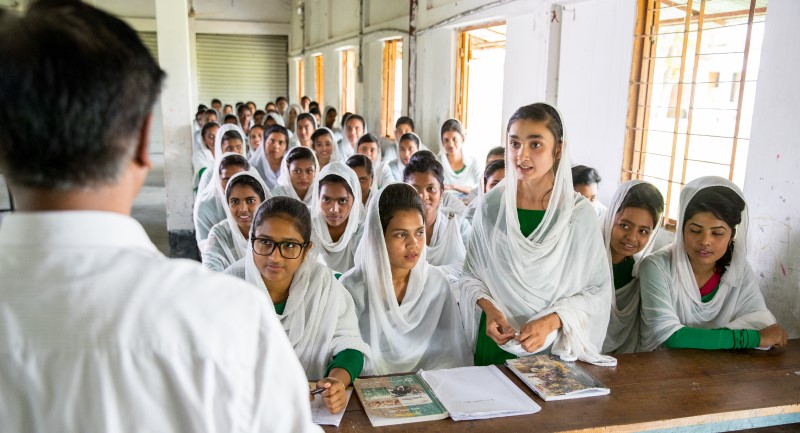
(319, 317)
(670, 294)
(560, 268)
(623, 326)
(422, 332)
(285, 187)
(337, 255)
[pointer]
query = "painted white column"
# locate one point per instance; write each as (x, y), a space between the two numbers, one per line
(172, 24)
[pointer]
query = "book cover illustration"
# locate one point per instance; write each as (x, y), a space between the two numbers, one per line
(398, 397)
(552, 377)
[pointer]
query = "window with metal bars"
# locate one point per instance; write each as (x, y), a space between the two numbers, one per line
(692, 90)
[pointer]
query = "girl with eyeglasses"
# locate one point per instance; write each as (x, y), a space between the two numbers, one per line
(317, 313)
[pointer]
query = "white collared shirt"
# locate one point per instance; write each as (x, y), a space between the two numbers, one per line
(101, 332)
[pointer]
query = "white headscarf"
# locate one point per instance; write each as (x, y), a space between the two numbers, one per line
(448, 249)
(201, 157)
(325, 115)
(424, 332)
(337, 255)
(276, 117)
(260, 163)
(210, 203)
(336, 154)
(227, 246)
(347, 149)
(670, 294)
(285, 187)
(560, 268)
(623, 326)
(319, 317)
(298, 109)
(470, 176)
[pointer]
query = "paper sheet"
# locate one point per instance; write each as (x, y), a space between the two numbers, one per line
(320, 414)
(478, 393)
(513, 347)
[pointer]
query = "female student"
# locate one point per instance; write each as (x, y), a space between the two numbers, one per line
(494, 172)
(298, 171)
(315, 310)
(290, 119)
(446, 233)
(306, 125)
(362, 165)
(405, 309)
(536, 266)
(461, 174)
(700, 292)
(408, 145)
(323, 144)
(209, 205)
(203, 158)
(629, 230)
(227, 240)
(268, 161)
(256, 138)
(336, 215)
(354, 127)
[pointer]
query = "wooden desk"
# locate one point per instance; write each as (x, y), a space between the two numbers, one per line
(690, 390)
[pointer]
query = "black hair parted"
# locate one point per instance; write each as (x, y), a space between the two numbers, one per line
(424, 162)
(319, 133)
(286, 208)
(231, 134)
(207, 126)
(248, 180)
(644, 196)
(299, 153)
(496, 151)
(359, 118)
(230, 118)
(404, 120)
(492, 168)
(233, 160)
(452, 125)
(276, 129)
(398, 197)
(307, 116)
(63, 63)
(410, 136)
(583, 175)
(216, 101)
(333, 179)
(360, 160)
(369, 138)
(725, 204)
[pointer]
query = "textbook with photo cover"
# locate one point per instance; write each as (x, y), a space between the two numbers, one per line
(553, 379)
(394, 400)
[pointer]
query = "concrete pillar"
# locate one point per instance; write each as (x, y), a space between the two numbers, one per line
(172, 25)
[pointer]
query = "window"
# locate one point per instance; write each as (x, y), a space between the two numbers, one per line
(301, 78)
(391, 85)
(319, 79)
(347, 97)
(692, 91)
(479, 86)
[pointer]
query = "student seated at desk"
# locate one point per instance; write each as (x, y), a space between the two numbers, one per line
(405, 309)
(536, 262)
(700, 292)
(629, 230)
(227, 240)
(314, 309)
(298, 171)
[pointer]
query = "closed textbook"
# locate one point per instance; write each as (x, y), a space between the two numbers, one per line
(553, 379)
(391, 400)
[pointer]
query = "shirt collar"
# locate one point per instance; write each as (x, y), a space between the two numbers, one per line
(74, 228)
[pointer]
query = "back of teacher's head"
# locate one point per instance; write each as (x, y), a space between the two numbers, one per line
(77, 87)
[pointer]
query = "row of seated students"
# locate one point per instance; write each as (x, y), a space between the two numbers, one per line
(381, 279)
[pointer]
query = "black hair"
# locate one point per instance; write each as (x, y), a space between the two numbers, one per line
(335, 178)
(357, 117)
(226, 106)
(281, 98)
(725, 204)
(404, 120)
(234, 160)
(276, 128)
(64, 63)
(496, 151)
(644, 196)
(583, 175)
(398, 197)
(206, 127)
(257, 125)
(200, 112)
(369, 138)
(306, 116)
(241, 108)
(319, 133)
(216, 101)
(209, 112)
(287, 208)
(259, 112)
(305, 97)
(247, 180)
(410, 136)
(452, 125)
(230, 117)
(202, 107)
(231, 134)
(360, 160)
(345, 116)
(299, 153)
(492, 168)
(314, 109)
(424, 162)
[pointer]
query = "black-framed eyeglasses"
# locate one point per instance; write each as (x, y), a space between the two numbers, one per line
(288, 250)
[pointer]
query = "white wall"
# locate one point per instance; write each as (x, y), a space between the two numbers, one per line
(593, 76)
(772, 179)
